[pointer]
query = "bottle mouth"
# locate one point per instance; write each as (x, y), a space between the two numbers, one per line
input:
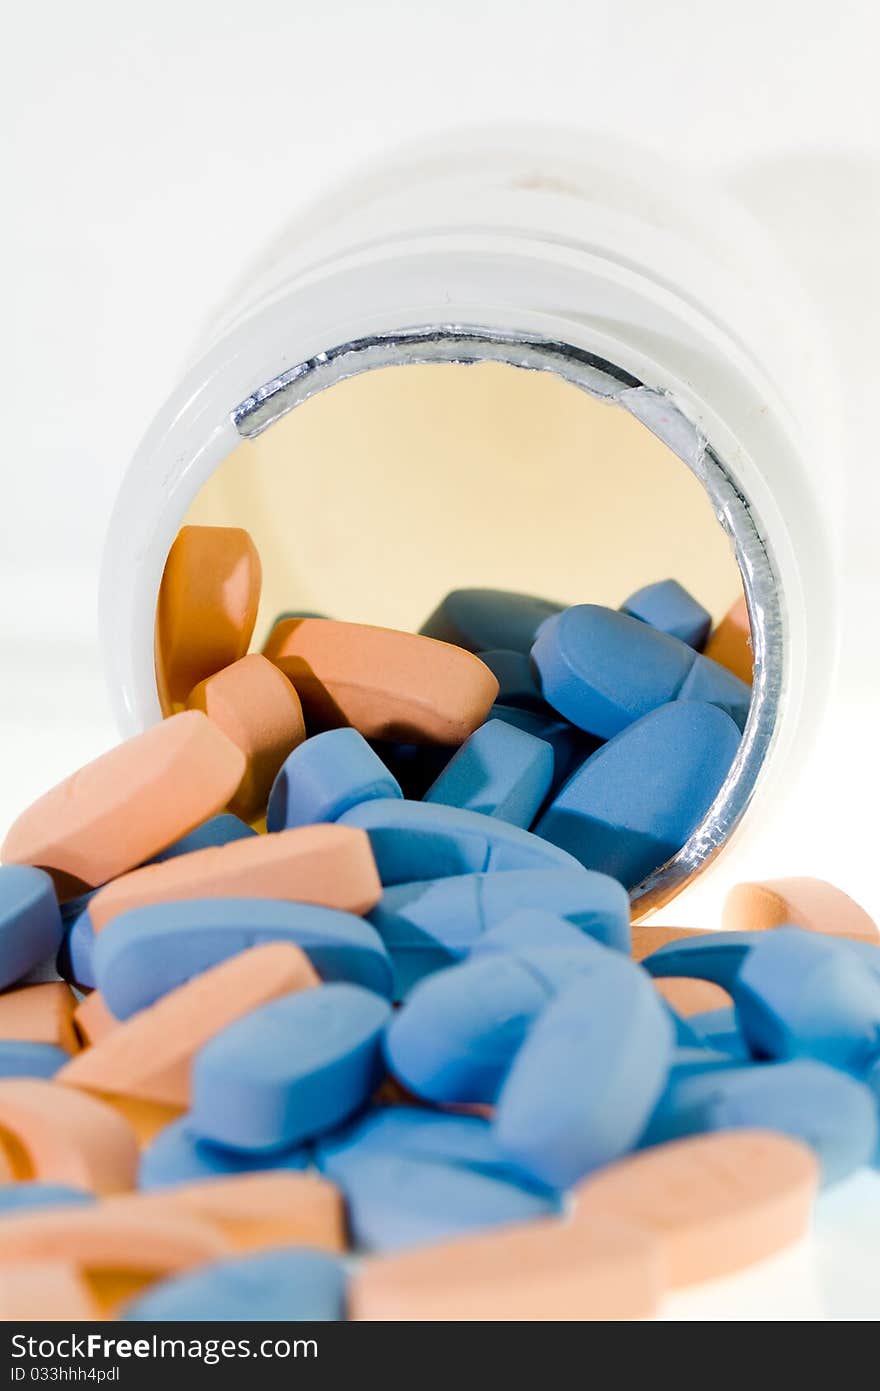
(465, 345)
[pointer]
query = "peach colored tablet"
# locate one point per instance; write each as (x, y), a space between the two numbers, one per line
(809, 903)
(329, 865)
(150, 1055)
(546, 1270)
(257, 708)
(730, 643)
(689, 997)
(130, 803)
(207, 606)
(255, 1211)
(93, 1020)
(40, 1014)
(385, 683)
(146, 1118)
(62, 1136)
(46, 1289)
(715, 1202)
(648, 939)
(102, 1238)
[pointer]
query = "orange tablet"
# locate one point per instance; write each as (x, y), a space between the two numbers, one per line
(38, 1290)
(48, 1132)
(730, 643)
(207, 606)
(40, 1014)
(329, 865)
(93, 1020)
(545, 1270)
(385, 683)
(253, 1211)
(715, 1202)
(257, 707)
(128, 804)
(149, 1057)
(809, 903)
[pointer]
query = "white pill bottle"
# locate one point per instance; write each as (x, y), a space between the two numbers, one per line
(642, 286)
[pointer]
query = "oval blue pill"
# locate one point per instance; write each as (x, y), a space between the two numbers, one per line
(803, 995)
(423, 840)
(144, 953)
(483, 619)
(30, 921)
(24, 1059)
(668, 606)
(177, 1155)
(714, 956)
(325, 776)
(296, 1285)
(635, 802)
(499, 771)
(289, 1070)
(395, 1200)
(457, 1034)
(832, 1113)
(588, 1076)
(570, 745)
(603, 670)
(19, 1197)
(433, 923)
(416, 1131)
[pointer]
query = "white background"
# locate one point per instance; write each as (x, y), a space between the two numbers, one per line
(150, 151)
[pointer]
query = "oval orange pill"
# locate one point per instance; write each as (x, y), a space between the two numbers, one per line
(715, 1202)
(690, 996)
(93, 1019)
(149, 1056)
(730, 644)
(207, 607)
(254, 1211)
(258, 709)
(811, 904)
(45, 1289)
(385, 683)
(648, 939)
(328, 865)
(62, 1136)
(104, 1238)
(546, 1270)
(130, 803)
(40, 1014)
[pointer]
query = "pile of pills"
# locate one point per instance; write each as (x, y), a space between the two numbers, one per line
(351, 1021)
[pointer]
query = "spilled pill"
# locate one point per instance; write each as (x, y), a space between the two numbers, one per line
(30, 923)
(207, 606)
(634, 803)
(385, 683)
(130, 803)
(258, 709)
(148, 951)
(289, 1070)
(329, 865)
(324, 777)
(149, 1057)
(276, 1285)
(715, 1202)
(500, 771)
(423, 840)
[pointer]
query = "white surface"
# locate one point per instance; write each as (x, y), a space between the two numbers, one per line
(151, 156)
